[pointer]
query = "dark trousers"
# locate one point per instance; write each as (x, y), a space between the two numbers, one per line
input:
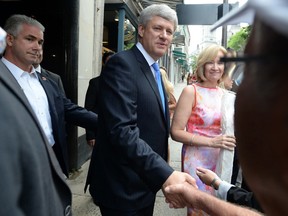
(147, 211)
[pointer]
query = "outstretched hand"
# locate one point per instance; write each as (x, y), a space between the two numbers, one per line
(206, 175)
(176, 200)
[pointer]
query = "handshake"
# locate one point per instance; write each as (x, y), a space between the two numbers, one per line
(180, 188)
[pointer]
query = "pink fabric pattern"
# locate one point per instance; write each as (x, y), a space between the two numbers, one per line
(205, 120)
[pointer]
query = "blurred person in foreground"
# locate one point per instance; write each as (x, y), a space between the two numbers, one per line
(25, 155)
(25, 39)
(261, 111)
(128, 165)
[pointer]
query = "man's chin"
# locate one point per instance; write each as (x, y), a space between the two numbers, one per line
(161, 52)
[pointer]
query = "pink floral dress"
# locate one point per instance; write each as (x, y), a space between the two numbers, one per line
(205, 120)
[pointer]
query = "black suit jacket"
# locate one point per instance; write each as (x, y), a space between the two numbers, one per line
(62, 110)
(31, 179)
(55, 77)
(128, 164)
(92, 102)
(243, 197)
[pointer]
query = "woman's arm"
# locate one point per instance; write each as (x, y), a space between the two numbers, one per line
(181, 116)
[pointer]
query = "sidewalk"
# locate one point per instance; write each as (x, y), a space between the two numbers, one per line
(82, 204)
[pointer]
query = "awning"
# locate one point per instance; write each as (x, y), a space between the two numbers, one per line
(179, 54)
(243, 14)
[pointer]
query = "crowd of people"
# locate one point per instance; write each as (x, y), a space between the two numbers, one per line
(130, 149)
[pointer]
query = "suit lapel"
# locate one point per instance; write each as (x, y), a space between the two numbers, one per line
(12, 83)
(8, 79)
(148, 74)
(48, 88)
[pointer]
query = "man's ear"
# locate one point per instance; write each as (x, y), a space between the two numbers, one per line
(141, 30)
(9, 39)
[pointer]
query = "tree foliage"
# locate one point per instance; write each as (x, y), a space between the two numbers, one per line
(193, 62)
(239, 39)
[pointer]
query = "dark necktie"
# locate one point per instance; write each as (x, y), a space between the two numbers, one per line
(159, 83)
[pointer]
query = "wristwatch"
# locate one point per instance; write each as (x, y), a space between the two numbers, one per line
(213, 183)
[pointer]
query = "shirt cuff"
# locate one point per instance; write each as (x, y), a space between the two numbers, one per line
(224, 187)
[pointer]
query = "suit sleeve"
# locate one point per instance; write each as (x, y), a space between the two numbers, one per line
(91, 104)
(79, 116)
(60, 85)
(72, 113)
(242, 197)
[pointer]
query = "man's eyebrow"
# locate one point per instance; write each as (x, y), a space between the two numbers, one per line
(35, 38)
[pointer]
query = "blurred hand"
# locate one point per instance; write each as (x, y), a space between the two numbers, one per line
(91, 142)
(224, 141)
(177, 177)
(187, 193)
(206, 175)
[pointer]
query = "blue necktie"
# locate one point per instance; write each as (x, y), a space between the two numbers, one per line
(159, 83)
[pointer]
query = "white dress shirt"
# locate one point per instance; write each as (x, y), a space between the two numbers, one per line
(36, 96)
(223, 188)
(148, 58)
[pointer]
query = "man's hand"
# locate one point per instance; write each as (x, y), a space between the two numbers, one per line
(91, 142)
(194, 198)
(177, 200)
(185, 192)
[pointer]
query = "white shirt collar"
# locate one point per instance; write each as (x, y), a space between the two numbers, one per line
(16, 71)
(38, 69)
(148, 58)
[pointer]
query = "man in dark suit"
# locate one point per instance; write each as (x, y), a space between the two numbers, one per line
(25, 40)
(24, 156)
(128, 164)
(92, 98)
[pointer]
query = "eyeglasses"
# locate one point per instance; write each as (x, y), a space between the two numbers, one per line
(256, 58)
(244, 58)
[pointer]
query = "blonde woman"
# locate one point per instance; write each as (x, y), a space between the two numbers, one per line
(197, 119)
(169, 88)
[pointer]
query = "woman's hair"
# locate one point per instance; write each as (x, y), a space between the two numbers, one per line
(161, 10)
(207, 55)
(169, 88)
(15, 22)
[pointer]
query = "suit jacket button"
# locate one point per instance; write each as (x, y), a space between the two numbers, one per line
(68, 210)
